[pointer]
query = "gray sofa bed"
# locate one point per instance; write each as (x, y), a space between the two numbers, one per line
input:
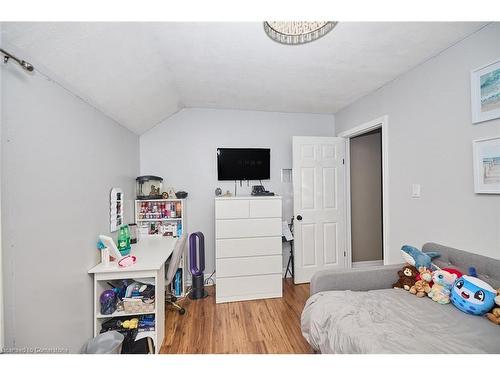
(357, 311)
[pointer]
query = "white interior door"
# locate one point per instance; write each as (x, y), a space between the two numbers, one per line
(318, 205)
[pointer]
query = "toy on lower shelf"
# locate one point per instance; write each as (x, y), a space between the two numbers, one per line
(131, 323)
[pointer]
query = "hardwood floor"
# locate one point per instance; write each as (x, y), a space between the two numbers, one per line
(253, 327)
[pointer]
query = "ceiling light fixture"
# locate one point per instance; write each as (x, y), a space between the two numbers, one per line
(297, 32)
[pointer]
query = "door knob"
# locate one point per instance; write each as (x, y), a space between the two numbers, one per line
(299, 218)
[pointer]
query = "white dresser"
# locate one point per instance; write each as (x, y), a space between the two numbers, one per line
(248, 248)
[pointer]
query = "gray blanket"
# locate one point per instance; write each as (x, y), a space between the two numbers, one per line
(393, 321)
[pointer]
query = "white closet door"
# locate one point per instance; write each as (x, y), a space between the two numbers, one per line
(318, 200)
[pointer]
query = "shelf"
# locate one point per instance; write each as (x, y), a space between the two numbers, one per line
(158, 235)
(159, 200)
(121, 313)
(164, 219)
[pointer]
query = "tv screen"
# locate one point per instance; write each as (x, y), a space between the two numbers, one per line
(243, 163)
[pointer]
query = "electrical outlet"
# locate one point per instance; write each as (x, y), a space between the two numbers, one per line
(415, 191)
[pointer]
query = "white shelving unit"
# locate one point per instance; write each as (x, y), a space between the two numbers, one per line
(145, 218)
(151, 256)
(101, 284)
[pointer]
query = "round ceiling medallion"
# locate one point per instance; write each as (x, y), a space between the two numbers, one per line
(297, 32)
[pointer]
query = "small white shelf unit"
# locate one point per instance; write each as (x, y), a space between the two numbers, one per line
(167, 212)
(101, 284)
(151, 255)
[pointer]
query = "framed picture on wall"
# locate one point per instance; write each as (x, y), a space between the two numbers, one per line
(487, 165)
(485, 92)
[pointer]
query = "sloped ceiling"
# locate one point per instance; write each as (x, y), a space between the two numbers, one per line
(142, 73)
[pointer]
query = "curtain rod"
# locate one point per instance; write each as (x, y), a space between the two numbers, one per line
(24, 64)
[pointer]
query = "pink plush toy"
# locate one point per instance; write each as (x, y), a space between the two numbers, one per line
(127, 261)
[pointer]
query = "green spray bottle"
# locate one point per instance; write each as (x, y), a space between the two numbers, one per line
(124, 240)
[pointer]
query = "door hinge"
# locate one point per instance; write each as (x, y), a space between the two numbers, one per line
(343, 161)
(345, 254)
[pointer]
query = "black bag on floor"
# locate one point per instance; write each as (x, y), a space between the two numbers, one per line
(142, 346)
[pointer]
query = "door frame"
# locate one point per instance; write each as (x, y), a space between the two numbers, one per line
(378, 123)
(2, 313)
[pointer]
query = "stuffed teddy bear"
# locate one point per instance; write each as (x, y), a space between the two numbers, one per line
(494, 315)
(441, 289)
(407, 277)
(422, 287)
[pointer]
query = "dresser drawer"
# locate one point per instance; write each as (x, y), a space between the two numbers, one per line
(232, 209)
(241, 228)
(265, 208)
(243, 288)
(248, 266)
(241, 247)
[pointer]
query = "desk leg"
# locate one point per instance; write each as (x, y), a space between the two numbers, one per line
(96, 306)
(160, 308)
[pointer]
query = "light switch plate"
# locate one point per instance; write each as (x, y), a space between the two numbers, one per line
(415, 191)
(286, 175)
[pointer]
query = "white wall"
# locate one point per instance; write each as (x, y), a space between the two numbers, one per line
(430, 142)
(183, 148)
(60, 158)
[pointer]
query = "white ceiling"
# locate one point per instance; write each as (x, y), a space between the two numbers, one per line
(142, 73)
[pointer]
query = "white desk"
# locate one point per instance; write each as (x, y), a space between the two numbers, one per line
(151, 253)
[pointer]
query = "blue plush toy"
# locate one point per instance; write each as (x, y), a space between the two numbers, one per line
(417, 258)
(473, 295)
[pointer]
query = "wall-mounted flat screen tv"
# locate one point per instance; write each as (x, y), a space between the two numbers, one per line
(243, 163)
